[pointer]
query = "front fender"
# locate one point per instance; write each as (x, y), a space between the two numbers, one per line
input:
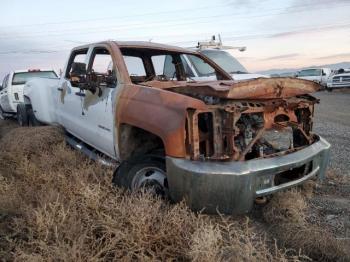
(159, 112)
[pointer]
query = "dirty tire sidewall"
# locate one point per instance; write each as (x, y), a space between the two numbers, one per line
(22, 116)
(126, 172)
(2, 117)
(32, 120)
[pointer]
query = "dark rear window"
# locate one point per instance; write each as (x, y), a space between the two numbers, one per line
(22, 78)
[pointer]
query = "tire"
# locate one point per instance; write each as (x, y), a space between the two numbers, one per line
(143, 172)
(2, 116)
(32, 120)
(22, 115)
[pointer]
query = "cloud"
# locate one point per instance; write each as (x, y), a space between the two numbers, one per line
(308, 3)
(249, 4)
(341, 55)
(292, 55)
(23, 54)
(309, 30)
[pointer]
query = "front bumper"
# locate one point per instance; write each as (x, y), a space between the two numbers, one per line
(231, 187)
(338, 85)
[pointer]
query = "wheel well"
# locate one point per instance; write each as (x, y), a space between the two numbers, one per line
(26, 100)
(136, 141)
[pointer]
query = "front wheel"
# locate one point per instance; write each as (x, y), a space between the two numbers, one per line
(144, 172)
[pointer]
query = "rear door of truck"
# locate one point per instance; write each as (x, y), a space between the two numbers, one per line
(99, 117)
(69, 99)
(86, 115)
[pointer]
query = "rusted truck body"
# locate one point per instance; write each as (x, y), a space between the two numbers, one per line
(218, 145)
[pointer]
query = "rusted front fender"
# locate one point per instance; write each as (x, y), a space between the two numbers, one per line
(159, 112)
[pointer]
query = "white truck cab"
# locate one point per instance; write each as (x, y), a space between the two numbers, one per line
(218, 53)
(230, 64)
(11, 93)
(319, 75)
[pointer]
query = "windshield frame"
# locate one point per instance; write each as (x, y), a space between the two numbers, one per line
(147, 52)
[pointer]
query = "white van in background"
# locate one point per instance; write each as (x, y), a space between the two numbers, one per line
(11, 91)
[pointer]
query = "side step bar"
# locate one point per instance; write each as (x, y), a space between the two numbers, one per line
(89, 151)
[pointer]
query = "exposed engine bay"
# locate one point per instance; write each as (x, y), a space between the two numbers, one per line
(243, 130)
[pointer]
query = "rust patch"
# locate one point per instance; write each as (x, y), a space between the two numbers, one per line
(261, 88)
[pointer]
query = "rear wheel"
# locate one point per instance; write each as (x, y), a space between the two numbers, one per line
(32, 120)
(22, 115)
(2, 114)
(143, 172)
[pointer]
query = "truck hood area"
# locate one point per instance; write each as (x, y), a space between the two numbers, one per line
(247, 120)
(261, 88)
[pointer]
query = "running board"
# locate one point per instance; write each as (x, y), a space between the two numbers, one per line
(90, 153)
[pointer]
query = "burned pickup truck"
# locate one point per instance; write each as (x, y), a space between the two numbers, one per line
(218, 144)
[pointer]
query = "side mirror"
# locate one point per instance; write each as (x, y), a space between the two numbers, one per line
(78, 74)
(1, 87)
(111, 80)
(323, 73)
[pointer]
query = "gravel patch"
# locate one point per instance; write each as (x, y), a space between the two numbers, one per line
(332, 121)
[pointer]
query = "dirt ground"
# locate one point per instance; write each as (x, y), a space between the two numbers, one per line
(58, 206)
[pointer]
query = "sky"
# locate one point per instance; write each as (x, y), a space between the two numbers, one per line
(277, 34)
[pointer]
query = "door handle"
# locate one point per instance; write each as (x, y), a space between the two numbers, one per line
(60, 89)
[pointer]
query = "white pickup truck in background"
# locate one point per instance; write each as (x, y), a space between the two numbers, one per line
(218, 53)
(12, 101)
(319, 75)
(340, 79)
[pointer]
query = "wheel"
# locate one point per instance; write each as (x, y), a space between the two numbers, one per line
(32, 120)
(2, 116)
(22, 115)
(143, 172)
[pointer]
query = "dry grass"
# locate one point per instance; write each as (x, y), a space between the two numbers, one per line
(286, 207)
(56, 205)
(335, 178)
(286, 214)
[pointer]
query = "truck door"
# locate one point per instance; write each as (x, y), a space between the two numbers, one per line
(70, 112)
(4, 96)
(98, 106)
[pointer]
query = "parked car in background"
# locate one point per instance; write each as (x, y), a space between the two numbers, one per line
(340, 80)
(11, 94)
(218, 145)
(319, 75)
